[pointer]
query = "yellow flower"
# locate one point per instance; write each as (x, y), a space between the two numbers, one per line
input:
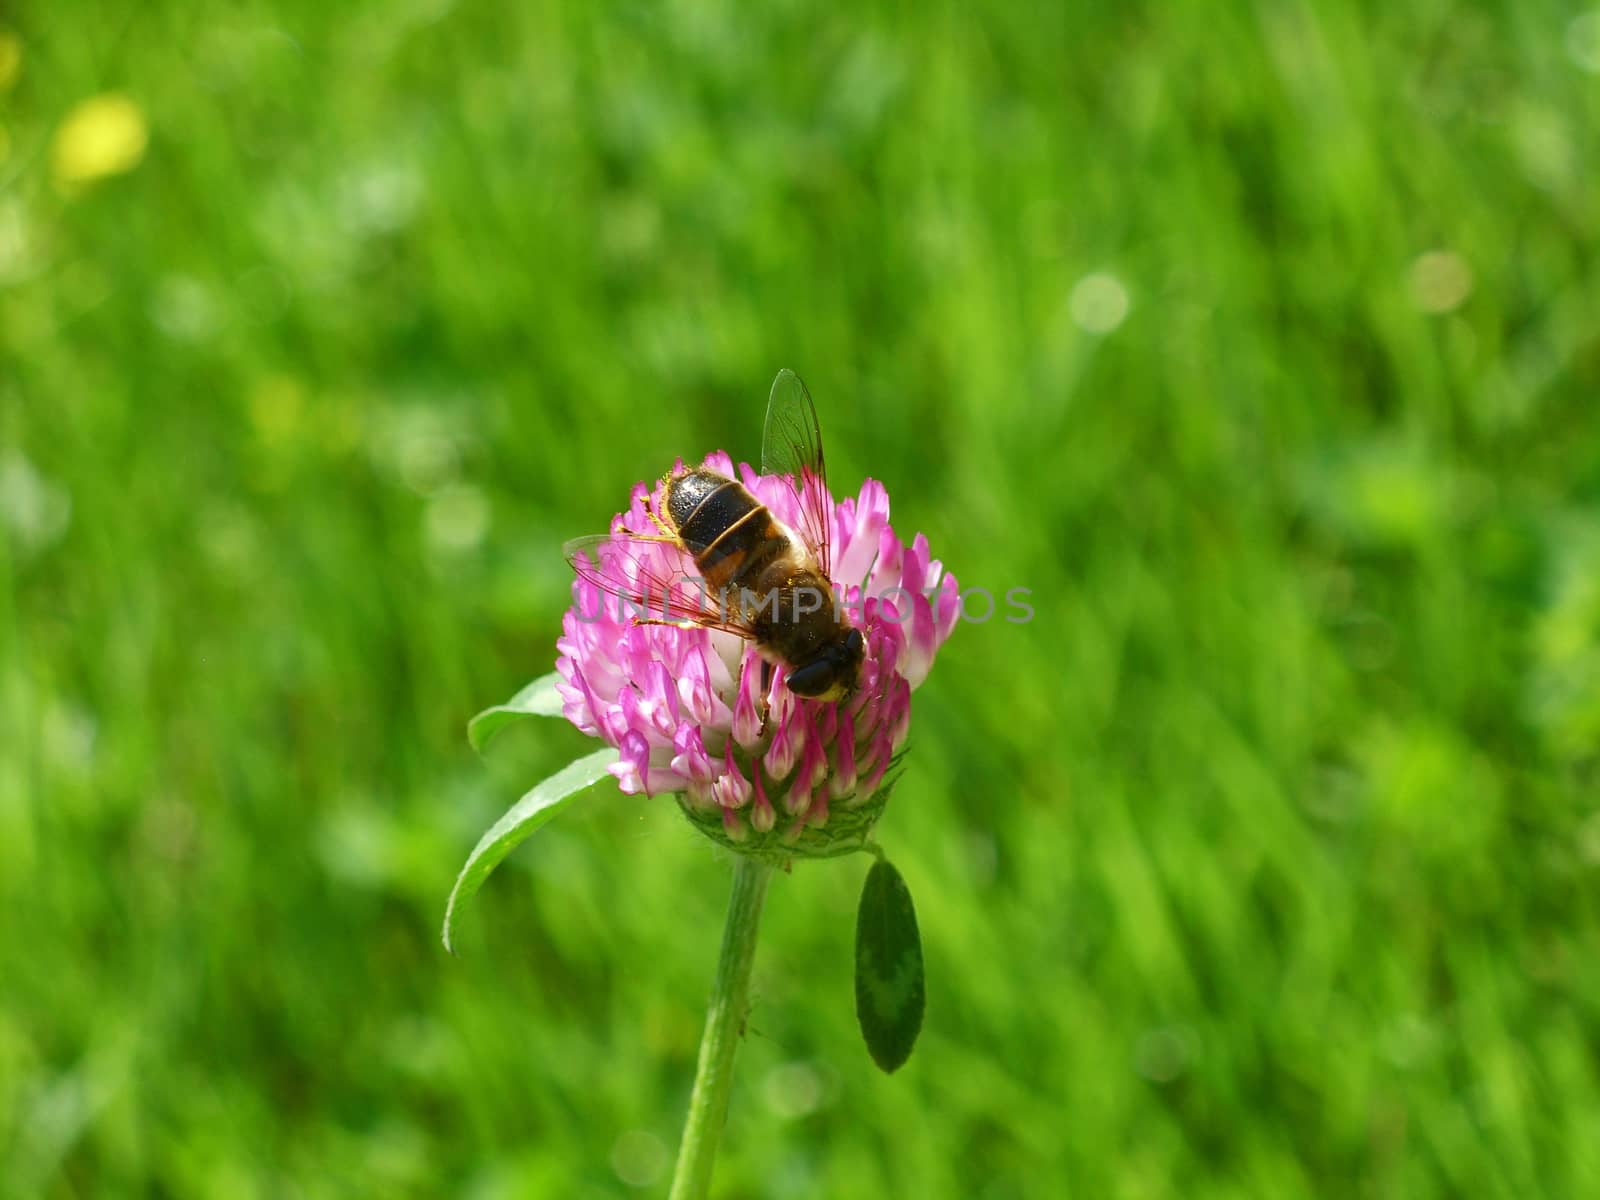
(103, 135)
(10, 58)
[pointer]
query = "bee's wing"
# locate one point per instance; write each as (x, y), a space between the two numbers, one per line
(791, 445)
(655, 577)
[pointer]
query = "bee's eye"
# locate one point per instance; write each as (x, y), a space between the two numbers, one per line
(855, 643)
(812, 679)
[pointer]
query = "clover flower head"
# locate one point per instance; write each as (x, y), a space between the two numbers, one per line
(756, 767)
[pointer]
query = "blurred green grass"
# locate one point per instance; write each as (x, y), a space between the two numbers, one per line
(1262, 862)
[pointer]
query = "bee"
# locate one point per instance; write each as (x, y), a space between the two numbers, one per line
(772, 583)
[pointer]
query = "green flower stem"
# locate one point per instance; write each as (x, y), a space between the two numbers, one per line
(730, 1001)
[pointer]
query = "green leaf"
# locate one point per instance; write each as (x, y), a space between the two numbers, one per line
(538, 699)
(521, 821)
(889, 981)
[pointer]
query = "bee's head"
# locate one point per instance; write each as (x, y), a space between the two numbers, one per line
(834, 672)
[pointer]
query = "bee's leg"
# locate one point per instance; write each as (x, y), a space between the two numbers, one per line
(668, 534)
(766, 686)
(659, 621)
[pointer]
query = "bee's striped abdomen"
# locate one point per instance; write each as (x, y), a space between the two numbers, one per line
(730, 533)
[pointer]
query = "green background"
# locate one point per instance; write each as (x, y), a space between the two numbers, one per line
(1262, 862)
